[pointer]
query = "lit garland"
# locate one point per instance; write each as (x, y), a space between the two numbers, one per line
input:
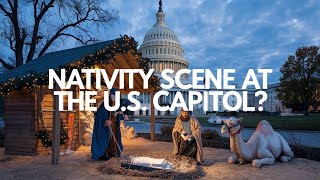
(44, 135)
(32, 80)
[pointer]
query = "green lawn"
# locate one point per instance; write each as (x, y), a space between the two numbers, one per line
(311, 123)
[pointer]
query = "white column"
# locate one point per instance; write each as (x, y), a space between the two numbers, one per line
(187, 100)
(171, 99)
(149, 108)
(163, 99)
(144, 112)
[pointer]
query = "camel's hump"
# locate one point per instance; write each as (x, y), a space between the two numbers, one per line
(264, 128)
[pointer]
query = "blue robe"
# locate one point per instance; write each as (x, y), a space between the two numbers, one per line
(101, 133)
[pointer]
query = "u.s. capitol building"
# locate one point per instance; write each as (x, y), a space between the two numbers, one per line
(161, 45)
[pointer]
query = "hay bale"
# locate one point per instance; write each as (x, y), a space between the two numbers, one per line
(87, 139)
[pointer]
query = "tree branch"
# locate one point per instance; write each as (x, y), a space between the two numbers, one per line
(24, 36)
(37, 18)
(6, 12)
(6, 65)
(35, 9)
(18, 41)
(59, 32)
(45, 9)
(11, 39)
(78, 39)
(10, 4)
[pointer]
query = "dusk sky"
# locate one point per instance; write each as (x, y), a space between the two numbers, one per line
(237, 34)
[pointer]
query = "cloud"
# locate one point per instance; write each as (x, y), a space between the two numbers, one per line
(262, 18)
(265, 58)
(189, 40)
(316, 41)
(229, 34)
(294, 23)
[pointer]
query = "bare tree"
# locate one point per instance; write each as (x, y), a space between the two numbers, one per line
(31, 27)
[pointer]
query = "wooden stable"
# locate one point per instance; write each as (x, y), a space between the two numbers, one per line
(27, 112)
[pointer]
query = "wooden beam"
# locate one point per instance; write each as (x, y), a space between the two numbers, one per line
(77, 117)
(109, 71)
(138, 81)
(131, 57)
(152, 120)
(116, 64)
(125, 61)
(40, 108)
(56, 128)
(139, 90)
(133, 63)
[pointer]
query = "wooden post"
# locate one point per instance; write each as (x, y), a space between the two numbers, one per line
(39, 100)
(56, 128)
(78, 117)
(152, 120)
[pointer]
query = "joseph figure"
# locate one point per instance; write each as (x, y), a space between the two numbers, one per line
(186, 136)
(103, 143)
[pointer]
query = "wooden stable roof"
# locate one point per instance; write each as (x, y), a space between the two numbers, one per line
(53, 60)
(125, 61)
(119, 53)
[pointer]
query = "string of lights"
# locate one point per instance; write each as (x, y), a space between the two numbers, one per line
(33, 80)
(44, 135)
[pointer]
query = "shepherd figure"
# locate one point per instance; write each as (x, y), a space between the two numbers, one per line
(186, 136)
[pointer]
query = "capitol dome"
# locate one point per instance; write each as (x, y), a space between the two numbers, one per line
(160, 32)
(161, 45)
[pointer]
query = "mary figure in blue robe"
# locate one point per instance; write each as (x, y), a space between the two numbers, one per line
(104, 145)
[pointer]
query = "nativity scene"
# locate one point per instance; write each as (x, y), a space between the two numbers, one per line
(173, 144)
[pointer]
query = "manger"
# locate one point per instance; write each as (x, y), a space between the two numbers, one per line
(153, 165)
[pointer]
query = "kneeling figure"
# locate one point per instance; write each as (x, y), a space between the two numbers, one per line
(186, 136)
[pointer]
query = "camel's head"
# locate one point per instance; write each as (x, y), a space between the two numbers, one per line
(232, 125)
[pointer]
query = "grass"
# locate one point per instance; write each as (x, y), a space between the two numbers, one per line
(307, 123)
(310, 123)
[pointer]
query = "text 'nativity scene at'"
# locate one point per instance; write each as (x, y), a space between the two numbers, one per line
(188, 94)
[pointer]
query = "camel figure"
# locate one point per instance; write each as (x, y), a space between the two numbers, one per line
(264, 146)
